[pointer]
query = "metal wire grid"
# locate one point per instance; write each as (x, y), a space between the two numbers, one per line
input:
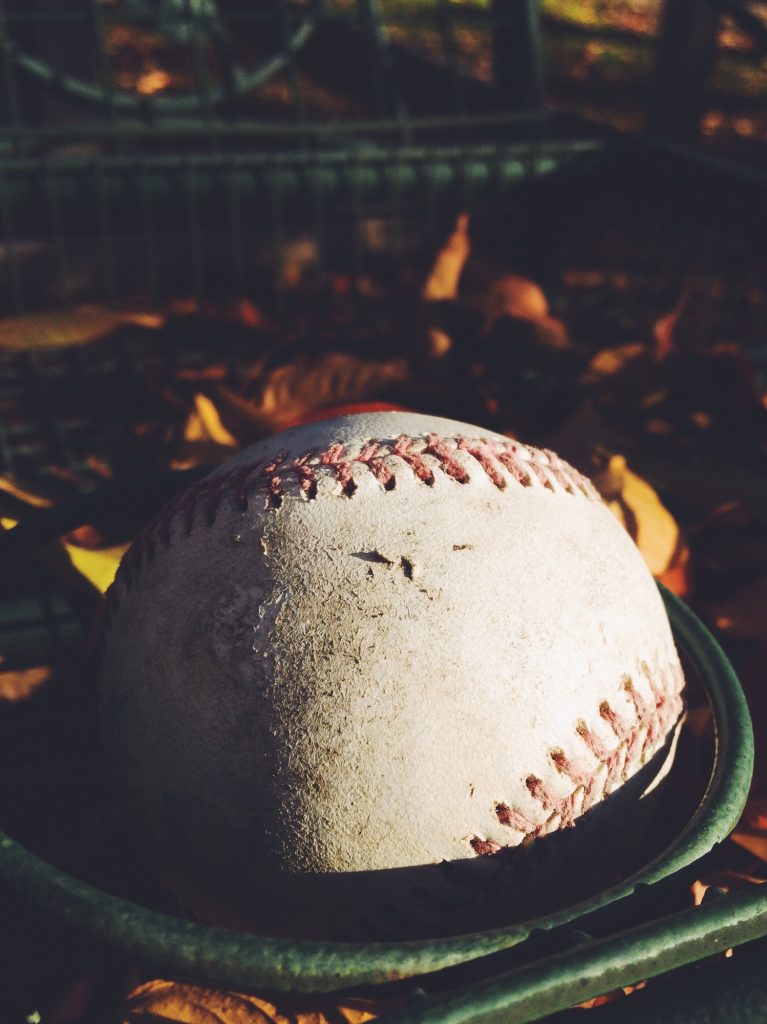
(196, 179)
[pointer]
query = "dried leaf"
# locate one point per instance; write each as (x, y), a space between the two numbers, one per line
(639, 509)
(169, 1001)
(725, 878)
(20, 685)
(753, 840)
(442, 282)
(98, 567)
(78, 325)
(290, 392)
(610, 361)
(205, 424)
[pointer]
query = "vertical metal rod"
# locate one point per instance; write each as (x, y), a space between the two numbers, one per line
(105, 69)
(291, 68)
(517, 55)
(388, 99)
(278, 235)
(57, 230)
(150, 236)
(105, 230)
(356, 203)
(395, 206)
(200, 68)
(449, 45)
(14, 277)
(9, 75)
(318, 213)
(193, 223)
(684, 59)
(235, 224)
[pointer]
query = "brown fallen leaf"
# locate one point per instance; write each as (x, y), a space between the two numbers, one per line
(20, 684)
(181, 1003)
(522, 299)
(726, 878)
(288, 393)
(76, 325)
(638, 508)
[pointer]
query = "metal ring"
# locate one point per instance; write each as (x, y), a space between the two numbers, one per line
(243, 81)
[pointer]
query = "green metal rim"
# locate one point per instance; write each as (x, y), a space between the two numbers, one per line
(239, 960)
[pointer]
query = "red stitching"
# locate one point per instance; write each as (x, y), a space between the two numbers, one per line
(484, 847)
(653, 720)
(522, 464)
(403, 447)
(485, 454)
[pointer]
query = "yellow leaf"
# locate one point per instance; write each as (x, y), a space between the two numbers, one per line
(611, 360)
(204, 424)
(98, 567)
(169, 1001)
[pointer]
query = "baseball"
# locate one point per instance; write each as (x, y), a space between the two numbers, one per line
(383, 676)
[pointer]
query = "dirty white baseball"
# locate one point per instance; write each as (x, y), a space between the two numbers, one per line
(385, 675)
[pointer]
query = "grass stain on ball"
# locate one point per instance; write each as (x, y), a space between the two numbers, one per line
(386, 676)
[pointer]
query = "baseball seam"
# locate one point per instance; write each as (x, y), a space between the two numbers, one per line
(423, 456)
(636, 739)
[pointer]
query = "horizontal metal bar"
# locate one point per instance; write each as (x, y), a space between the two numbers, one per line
(533, 992)
(362, 155)
(192, 127)
(368, 174)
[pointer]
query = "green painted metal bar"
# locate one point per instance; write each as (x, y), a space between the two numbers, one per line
(149, 234)
(9, 244)
(533, 992)
(105, 69)
(729, 990)
(106, 234)
(299, 108)
(188, 128)
(236, 234)
(9, 80)
(367, 175)
(517, 54)
(53, 204)
(445, 21)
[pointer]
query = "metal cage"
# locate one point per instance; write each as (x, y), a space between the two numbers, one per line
(361, 128)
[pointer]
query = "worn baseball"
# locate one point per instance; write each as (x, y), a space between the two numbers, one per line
(386, 675)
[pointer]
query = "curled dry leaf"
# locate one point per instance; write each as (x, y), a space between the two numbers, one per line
(180, 1003)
